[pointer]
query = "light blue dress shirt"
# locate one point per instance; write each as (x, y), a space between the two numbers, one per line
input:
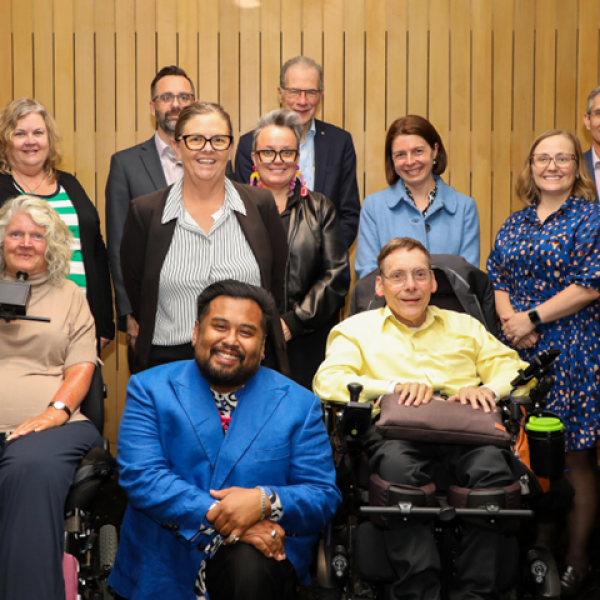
(307, 157)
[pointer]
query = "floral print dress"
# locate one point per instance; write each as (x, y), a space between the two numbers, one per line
(533, 261)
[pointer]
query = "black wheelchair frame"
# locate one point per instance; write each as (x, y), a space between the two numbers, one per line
(349, 567)
(94, 549)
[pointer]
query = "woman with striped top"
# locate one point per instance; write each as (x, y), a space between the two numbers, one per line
(29, 155)
(200, 230)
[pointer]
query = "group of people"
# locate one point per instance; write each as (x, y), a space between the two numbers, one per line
(263, 248)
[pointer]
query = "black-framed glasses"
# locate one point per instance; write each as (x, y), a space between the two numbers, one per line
(269, 156)
(295, 93)
(398, 278)
(194, 141)
(167, 99)
(560, 160)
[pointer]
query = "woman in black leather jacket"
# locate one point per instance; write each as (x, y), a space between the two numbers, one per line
(317, 270)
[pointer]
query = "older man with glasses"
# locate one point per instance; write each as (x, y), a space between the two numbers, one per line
(424, 353)
(327, 155)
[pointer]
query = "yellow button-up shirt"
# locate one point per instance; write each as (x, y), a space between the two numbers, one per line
(450, 350)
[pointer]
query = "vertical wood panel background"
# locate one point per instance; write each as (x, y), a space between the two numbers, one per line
(490, 74)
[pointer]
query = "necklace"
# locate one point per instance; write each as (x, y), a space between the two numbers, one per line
(27, 188)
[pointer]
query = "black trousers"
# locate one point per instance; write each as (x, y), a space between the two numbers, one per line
(36, 472)
(411, 547)
(241, 572)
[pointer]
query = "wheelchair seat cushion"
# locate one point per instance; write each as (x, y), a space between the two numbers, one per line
(441, 423)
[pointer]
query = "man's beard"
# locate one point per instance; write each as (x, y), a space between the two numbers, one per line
(235, 377)
(163, 121)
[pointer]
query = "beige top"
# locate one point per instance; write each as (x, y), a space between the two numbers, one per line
(34, 355)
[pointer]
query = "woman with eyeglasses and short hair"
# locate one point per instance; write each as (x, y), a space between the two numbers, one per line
(200, 230)
(545, 268)
(417, 203)
(317, 274)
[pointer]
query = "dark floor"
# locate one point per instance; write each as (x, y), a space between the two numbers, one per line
(112, 503)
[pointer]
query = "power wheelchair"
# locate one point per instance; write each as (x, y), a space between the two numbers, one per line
(352, 562)
(90, 547)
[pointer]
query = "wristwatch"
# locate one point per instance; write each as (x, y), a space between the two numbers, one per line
(61, 406)
(534, 317)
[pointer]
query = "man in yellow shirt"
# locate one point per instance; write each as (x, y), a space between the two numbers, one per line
(422, 352)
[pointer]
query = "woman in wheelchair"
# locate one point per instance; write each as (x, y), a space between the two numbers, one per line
(46, 371)
(545, 268)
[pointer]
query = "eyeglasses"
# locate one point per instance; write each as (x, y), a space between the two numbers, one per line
(562, 161)
(269, 156)
(398, 278)
(295, 93)
(197, 142)
(167, 99)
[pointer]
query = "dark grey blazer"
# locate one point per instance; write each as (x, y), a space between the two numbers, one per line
(134, 172)
(590, 167)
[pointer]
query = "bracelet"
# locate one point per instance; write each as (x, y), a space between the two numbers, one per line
(263, 502)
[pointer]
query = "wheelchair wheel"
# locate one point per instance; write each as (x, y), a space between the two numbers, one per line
(107, 548)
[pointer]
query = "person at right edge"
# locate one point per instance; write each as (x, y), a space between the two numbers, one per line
(545, 268)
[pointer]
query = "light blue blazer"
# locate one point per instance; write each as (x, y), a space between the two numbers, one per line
(450, 227)
(172, 451)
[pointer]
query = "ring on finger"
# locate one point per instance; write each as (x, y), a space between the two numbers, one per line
(233, 539)
(274, 534)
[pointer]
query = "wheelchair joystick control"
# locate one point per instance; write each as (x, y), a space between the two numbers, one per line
(355, 389)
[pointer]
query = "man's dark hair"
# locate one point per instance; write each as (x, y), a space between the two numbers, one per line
(241, 291)
(165, 72)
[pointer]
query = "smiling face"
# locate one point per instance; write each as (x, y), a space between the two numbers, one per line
(24, 246)
(207, 164)
(30, 145)
(408, 301)
(553, 182)
(229, 343)
(413, 159)
(276, 175)
(301, 77)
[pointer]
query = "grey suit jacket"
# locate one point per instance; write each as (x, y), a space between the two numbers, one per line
(134, 172)
(590, 166)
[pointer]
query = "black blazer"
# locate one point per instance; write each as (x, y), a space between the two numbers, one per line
(134, 172)
(146, 242)
(335, 173)
(95, 260)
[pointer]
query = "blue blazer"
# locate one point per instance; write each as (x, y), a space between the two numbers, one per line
(450, 227)
(335, 173)
(590, 166)
(172, 451)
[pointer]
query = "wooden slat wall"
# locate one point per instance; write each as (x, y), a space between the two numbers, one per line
(490, 74)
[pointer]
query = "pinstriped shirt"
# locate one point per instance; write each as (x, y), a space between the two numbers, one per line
(195, 260)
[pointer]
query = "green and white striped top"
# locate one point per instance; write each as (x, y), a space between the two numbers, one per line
(62, 204)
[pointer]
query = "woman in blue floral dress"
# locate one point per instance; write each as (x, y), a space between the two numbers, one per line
(545, 268)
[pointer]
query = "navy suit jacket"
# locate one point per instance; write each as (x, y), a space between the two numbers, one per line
(172, 451)
(592, 172)
(335, 173)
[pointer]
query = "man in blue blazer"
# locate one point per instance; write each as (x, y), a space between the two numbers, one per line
(327, 155)
(591, 119)
(227, 466)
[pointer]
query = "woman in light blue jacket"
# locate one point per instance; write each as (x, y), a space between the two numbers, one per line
(418, 204)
